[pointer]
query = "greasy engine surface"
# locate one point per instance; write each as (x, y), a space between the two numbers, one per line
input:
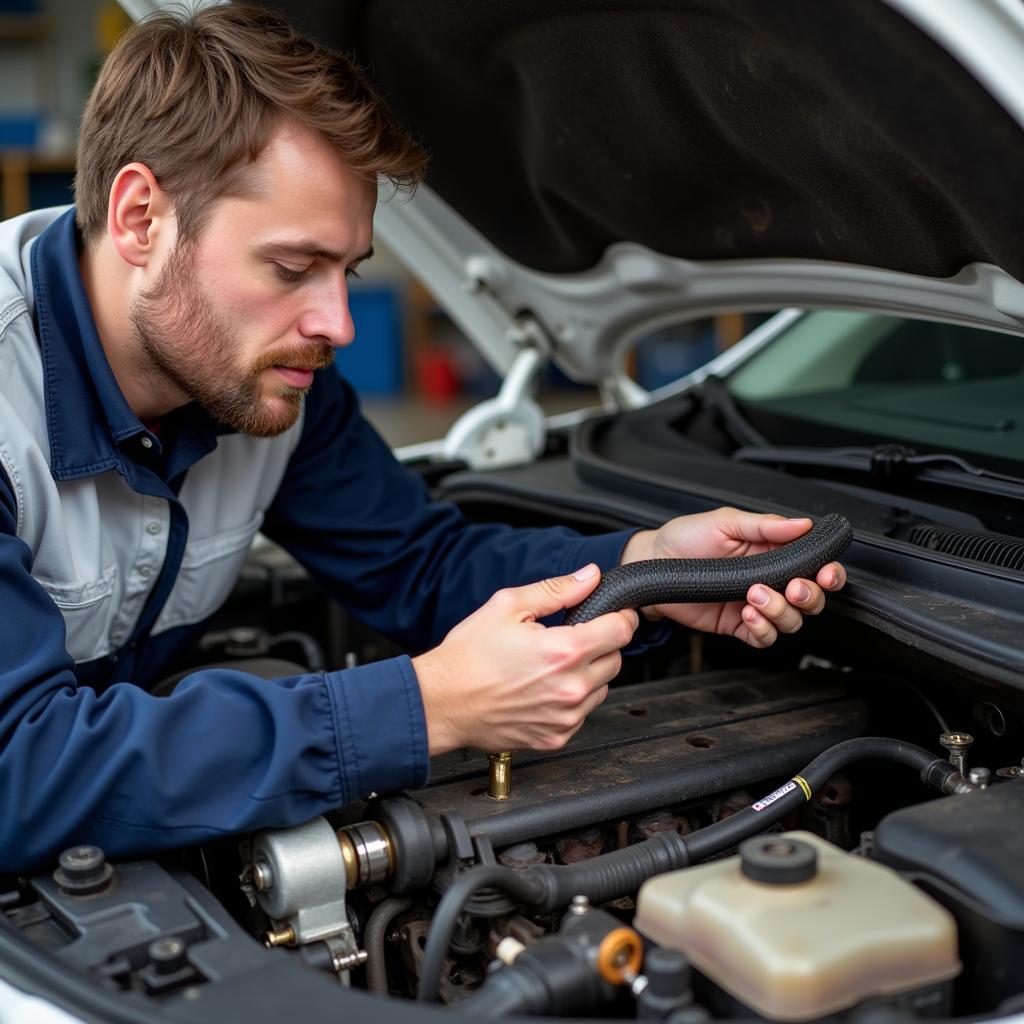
(651, 746)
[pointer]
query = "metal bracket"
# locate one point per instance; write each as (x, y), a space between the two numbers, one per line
(299, 879)
(345, 955)
(509, 429)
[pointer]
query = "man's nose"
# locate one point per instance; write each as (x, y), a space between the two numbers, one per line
(328, 316)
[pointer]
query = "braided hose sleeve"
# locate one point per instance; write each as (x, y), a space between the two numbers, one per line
(688, 580)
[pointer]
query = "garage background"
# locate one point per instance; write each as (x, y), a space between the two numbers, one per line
(411, 365)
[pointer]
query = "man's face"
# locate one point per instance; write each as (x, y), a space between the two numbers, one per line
(238, 320)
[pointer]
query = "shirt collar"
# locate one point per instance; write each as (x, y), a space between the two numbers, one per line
(89, 421)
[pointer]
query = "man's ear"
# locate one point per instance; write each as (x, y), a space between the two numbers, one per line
(137, 212)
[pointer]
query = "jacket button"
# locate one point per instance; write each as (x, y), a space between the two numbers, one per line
(146, 442)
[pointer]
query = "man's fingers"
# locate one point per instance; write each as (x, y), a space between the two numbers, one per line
(607, 633)
(596, 698)
(545, 597)
(755, 629)
(764, 529)
(807, 596)
(831, 576)
(774, 607)
(558, 739)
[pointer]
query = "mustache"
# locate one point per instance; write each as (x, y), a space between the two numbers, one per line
(313, 357)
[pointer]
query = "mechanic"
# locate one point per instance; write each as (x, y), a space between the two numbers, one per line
(166, 391)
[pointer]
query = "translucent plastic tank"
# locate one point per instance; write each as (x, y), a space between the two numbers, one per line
(798, 943)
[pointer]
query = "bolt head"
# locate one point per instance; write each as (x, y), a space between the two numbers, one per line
(262, 876)
(956, 740)
(82, 861)
(579, 905)
(82, 870)
(164, 948)
(167, 954)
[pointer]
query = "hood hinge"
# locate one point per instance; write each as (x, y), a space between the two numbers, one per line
(508, 429)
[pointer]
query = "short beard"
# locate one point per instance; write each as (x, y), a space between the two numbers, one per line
(181, 335)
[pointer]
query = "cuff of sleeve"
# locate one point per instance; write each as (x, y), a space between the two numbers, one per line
(648, 635)
(605, 549)
(379, 727)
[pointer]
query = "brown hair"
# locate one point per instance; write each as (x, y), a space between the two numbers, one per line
(196, 97)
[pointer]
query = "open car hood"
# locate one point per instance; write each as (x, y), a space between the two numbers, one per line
(605, 168)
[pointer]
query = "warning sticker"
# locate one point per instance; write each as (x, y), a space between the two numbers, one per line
(772, 797)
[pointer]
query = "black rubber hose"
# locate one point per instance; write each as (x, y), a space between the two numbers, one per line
(374, 938)
(507, 993)
(519, 885)
(610, 875)
(686, 580)
(729, 832)
(545, 887)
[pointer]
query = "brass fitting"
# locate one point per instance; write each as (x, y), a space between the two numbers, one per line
(348, 855)
(367, 852)
(282, 937)
(957, 743)
(499, 781)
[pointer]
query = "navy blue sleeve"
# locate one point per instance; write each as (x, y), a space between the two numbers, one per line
(226, 752)
(365, 526)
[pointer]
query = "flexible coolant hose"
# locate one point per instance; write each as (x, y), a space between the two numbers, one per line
(374, 938)
(686, 580)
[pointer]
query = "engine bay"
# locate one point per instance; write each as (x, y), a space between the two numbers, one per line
(804, 834)
(824, 832)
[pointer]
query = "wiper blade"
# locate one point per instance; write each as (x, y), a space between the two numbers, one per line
(715, 396)
(893, 461)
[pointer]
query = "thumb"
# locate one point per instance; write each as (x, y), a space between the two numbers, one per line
(545, 597)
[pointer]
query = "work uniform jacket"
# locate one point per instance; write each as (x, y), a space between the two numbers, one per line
(117, 544)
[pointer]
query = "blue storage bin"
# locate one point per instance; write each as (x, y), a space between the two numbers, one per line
(373, 362)
(18, 131)
(669, 354)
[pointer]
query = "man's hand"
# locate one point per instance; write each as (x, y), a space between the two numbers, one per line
(502, 681)
(726, 533)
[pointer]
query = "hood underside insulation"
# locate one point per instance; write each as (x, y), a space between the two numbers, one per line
(704, 129)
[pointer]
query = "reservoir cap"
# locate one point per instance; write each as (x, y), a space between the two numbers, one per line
(778, 860)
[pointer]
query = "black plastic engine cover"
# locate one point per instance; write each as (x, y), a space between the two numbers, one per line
(968, 852)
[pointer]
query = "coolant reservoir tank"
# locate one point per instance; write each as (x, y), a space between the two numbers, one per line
(796, 928)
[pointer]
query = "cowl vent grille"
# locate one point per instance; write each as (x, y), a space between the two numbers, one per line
(990, 548)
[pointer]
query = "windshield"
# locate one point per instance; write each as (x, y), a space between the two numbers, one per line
(863, 379)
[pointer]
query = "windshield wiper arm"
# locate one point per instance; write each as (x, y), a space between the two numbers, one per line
(715, 396)
(892, 461)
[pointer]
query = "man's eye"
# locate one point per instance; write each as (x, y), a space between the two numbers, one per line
(287, 274)
(352, 273)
